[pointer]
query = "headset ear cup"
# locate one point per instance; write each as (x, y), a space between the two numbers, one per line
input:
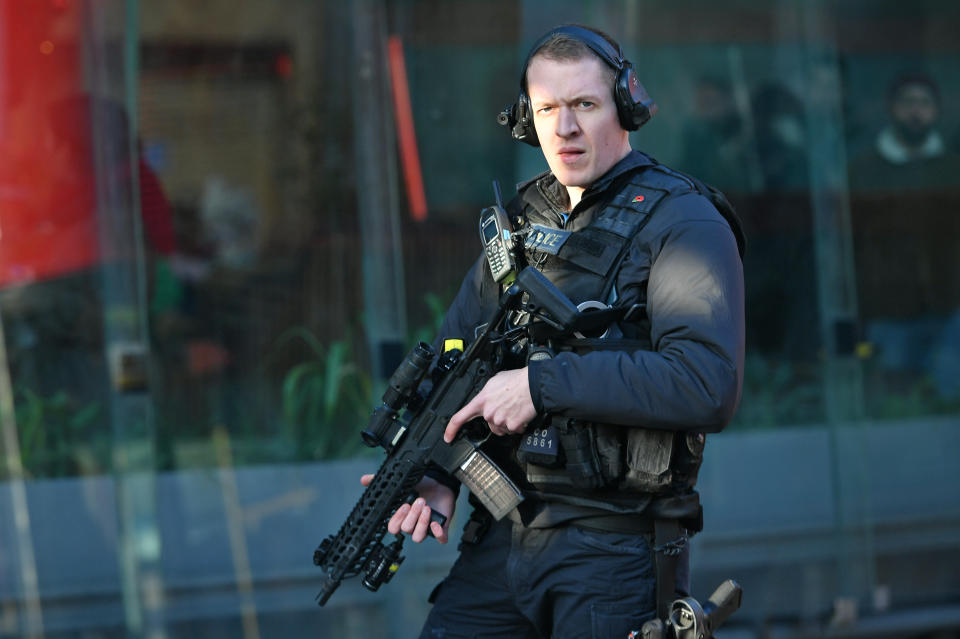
(524, 129)
(634, 105)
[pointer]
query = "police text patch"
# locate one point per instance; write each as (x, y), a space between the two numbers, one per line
(548, 240)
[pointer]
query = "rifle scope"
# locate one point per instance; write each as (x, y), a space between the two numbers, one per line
(401, 386)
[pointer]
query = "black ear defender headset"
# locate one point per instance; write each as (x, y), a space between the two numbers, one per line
(634, 106)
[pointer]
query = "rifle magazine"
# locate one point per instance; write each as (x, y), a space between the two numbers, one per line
(489, 484)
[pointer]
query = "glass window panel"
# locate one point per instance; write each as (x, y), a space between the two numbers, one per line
(210, 259)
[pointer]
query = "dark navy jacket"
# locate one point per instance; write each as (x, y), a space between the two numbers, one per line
(687, 261)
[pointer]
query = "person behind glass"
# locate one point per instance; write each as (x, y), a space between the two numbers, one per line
(715, 144)
(909, 152)
(576, 558)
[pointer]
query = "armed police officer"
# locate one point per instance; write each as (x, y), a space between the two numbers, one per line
(604, 433)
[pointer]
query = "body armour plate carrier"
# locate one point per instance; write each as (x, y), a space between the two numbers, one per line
(629, 464)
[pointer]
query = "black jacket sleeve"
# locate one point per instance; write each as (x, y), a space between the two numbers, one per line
(466, 312)
(692, 378)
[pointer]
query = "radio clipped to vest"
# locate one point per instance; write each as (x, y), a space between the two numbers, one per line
(497, 237)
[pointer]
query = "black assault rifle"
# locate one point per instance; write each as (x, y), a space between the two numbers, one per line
(410, 429)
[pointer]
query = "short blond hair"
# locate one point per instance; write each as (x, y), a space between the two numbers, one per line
(567, 48)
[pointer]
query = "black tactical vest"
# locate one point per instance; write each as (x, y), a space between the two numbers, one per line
(604, 460)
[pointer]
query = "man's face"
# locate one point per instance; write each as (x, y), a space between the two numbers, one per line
(575, 118)
(914, 112)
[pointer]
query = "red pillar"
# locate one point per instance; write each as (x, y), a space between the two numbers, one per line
(47, 187)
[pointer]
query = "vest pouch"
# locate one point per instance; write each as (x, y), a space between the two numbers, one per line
(689, 459)
(649, 453)
(540, 445)
(609, 439)
(583, 463)
(590, 457)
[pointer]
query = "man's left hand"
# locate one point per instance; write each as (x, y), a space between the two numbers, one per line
(504, 403)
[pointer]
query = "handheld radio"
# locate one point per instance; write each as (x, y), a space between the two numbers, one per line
(495, 233)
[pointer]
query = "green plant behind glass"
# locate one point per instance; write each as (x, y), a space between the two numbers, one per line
(59, 437)
(325, 399)
(427, 332)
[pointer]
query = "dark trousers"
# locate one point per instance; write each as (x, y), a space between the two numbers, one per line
(526, 583)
